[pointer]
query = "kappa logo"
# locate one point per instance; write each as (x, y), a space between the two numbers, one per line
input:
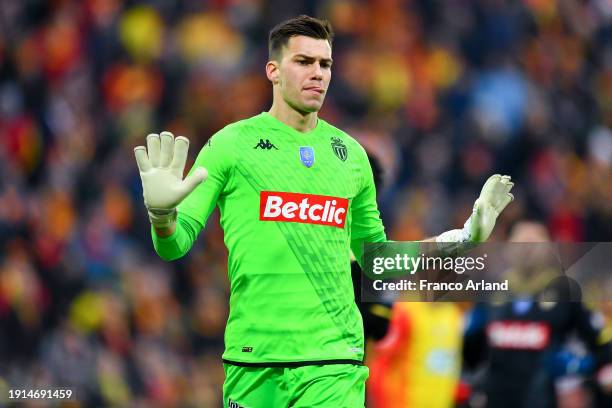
(267, 145)
(339, 148)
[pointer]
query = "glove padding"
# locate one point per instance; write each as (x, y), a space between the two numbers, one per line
(161, 173)
(494, 197)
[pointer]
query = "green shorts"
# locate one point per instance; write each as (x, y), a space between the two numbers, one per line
(330, 385)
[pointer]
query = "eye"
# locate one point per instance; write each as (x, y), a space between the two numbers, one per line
(302, 62)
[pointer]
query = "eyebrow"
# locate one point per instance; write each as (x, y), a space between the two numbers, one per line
(309, 58)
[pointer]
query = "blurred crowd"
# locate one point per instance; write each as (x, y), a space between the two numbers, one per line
(444, 92)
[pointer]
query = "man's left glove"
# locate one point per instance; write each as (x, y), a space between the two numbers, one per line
(161, 172)
(494, 197)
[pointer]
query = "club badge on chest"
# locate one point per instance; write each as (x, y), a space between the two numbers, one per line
(307, 156)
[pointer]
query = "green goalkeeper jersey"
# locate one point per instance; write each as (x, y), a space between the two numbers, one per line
(292, 205)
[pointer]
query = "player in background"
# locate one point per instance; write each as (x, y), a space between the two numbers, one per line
(602, 384)
(375, 315)
(417, 364)
(420, 349)
(521, 345)
(295, 195)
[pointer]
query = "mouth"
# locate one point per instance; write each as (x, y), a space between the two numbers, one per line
(315, 89)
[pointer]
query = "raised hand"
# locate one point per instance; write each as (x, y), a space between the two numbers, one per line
(161, 165)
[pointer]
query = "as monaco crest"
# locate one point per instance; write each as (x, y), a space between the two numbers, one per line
(339, 148)
(307, 156)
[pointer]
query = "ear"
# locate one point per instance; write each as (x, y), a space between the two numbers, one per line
(272, 72)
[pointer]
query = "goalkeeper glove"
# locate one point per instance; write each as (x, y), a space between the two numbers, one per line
(161, 173)
(494, 197)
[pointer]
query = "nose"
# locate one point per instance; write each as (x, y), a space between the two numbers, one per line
(317, 72)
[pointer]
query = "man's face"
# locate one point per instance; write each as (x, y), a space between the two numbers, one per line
(303, 73)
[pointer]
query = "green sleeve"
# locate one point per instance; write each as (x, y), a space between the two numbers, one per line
(179, 243)
(366, 225)
(217, 157)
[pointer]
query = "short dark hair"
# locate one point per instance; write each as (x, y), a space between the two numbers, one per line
(300, 25)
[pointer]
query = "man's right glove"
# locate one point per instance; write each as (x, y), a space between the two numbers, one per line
(161, 173)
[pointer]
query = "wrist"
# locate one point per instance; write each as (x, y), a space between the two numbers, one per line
(165, 232)
(162, 219)
(457, 235)
(451, 241)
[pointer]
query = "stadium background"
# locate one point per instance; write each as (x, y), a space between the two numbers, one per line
(444, 92)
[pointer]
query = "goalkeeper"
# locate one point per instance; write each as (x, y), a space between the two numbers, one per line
(295, 195)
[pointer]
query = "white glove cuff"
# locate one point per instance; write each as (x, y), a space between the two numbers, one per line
(162, 218)
(450, 241)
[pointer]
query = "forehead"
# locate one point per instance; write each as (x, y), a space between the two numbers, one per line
(312, 47)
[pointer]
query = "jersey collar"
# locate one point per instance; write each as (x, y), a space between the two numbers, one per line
(280, 125)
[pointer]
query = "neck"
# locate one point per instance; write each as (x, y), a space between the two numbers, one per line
(302, 122)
